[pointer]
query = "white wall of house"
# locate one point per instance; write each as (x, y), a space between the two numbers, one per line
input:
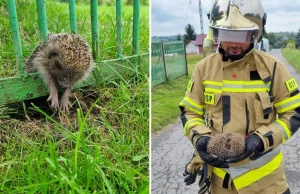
(191, 48)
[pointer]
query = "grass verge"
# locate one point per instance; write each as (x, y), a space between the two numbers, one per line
(292, 56)
(166, 97)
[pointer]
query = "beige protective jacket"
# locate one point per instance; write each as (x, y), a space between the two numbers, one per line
(244, 97)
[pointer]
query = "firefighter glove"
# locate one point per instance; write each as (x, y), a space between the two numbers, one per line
(254, 146)
(190, 177)
(204, 182)
(210, 159)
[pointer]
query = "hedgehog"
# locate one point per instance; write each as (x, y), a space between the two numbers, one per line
(226, 145)
(62, 61)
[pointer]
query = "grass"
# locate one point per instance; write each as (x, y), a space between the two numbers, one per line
(102, 145)
(166, 97)
(293, 57)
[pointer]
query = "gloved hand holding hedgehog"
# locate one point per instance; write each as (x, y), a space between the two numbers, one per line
(62, 61)
(226, 145)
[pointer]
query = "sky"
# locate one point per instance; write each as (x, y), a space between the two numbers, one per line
(169, 17)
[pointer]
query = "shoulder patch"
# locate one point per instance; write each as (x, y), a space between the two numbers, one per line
(190, 86)
(291, 84)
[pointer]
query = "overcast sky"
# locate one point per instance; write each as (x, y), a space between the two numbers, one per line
(169, 17)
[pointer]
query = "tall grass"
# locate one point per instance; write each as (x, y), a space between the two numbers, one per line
(102, 146)
(292, 56)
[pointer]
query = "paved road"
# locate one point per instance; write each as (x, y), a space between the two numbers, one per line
(171, 151)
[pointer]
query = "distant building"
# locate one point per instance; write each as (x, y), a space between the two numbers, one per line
(192, 48)
(199, 43)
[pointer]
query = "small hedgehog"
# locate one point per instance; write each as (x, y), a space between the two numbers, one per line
(63, 60)
(226, 145)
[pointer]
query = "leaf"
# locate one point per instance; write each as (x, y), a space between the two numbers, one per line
(139, 157)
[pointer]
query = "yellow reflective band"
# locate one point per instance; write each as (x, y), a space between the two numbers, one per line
(219, 172)
(284, 129)
(245, 86)
(191, 123)
(288, 104)
(291, 84)
(193, 106)
(256, 174)
(236, 86)
(206, 82)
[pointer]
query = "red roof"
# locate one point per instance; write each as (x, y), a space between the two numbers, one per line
(200, 38)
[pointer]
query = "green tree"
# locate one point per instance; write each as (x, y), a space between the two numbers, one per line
(297, 40)
(190, 34)
(178, 37)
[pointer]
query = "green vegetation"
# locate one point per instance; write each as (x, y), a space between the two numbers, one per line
(166, 97)
(102, 145)
(293, 57)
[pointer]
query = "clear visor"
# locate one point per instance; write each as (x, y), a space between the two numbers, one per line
(242, 36)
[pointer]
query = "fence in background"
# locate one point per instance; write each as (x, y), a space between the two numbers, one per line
(168, 61)
(28, 86)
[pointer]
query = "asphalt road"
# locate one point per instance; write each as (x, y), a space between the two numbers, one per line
(171, 150)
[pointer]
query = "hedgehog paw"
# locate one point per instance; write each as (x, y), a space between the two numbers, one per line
(54, 101)
(65, 104)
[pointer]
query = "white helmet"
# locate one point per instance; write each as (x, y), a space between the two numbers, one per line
(237, 20)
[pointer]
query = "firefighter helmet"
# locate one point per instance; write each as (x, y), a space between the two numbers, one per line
(237, 20)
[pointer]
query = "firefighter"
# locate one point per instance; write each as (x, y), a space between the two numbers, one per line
(245, 91)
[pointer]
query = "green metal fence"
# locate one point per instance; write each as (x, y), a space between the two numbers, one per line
(168, 61)
(27, 86)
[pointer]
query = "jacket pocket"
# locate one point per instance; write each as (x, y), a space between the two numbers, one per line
(264, 109)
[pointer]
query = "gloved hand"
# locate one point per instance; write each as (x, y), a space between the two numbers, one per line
(190, 177)
(210, 159)
(204, 182)
(191, 169)
(254, 145)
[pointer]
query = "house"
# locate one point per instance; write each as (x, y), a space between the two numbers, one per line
(199, 43)
(191, 48)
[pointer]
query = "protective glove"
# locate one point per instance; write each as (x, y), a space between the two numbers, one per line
(204, 182)
(210, 159)
(191, 170)
(254, 147)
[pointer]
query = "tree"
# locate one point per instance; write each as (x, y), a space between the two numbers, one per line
(178, 37)
(190, 34)
(297, 40)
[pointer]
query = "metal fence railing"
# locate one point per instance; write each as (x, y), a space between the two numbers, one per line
(26, 86)
(168, 61)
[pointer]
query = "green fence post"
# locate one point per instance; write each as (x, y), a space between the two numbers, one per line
(95, 29)
(16, 36)
(164, 61)
(186, 65)
(136, 26)
(42, 19)
(119, 28)
(72, 11)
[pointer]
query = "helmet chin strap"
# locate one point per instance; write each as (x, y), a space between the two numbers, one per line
(227, 56)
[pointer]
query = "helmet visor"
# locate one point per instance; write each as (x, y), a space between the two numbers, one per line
(242, 36)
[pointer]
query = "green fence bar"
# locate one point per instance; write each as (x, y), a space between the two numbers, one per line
(72, 11)
(136, 26)
(16, 35)
(42, 18)
(119, 27)
(95, 29)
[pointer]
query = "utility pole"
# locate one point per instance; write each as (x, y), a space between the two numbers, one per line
(201, 25)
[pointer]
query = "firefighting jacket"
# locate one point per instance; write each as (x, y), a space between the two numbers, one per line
(255, 94)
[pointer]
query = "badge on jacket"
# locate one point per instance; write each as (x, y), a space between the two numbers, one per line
(291, 84)
(190, 86)
(209, 98)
